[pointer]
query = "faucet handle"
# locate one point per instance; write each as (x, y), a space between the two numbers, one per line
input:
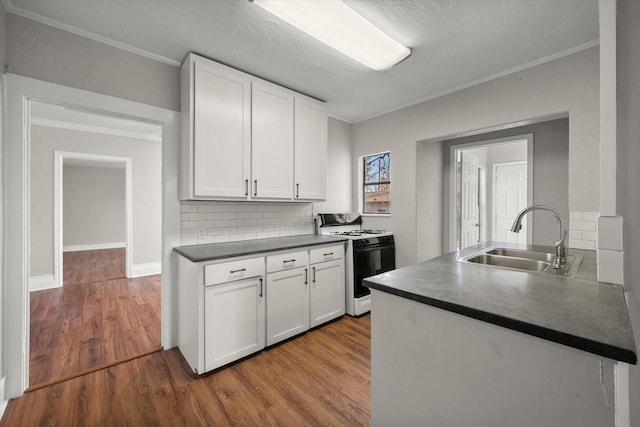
(562, 239)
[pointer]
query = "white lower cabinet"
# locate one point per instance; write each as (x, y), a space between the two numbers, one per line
(326, 288)
(287, 295)
(326, 292)
(287, 304)
(234, 318)
(232, 309)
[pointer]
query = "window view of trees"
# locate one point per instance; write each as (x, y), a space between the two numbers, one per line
(377, 184)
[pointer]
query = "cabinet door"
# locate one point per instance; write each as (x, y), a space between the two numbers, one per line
(310, 138)
(327, 291)
(272, 142)
(287, 304)
(221, 131)
(234, 321)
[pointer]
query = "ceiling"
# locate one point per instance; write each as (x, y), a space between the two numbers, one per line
(455, 43)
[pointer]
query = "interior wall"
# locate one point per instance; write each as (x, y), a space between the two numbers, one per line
(94, 208)
(46, 53)
(3, 60)
(628, 172)
(564, 87)
(429, 178)
(550, 173)
(338, 169)
(146, 165)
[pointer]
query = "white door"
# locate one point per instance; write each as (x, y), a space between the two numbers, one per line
(272, 142)
(233, 321)
(287, 304)
(469, 203)
(509, 198)
(327, 291)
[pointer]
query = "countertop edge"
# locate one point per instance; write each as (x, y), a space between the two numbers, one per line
(569, 340)
(285, 246)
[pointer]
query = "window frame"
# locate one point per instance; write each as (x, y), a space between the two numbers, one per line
(362, 184)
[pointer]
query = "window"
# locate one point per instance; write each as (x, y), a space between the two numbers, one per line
(376, 184)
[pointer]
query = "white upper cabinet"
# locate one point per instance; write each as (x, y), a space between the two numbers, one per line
(310, 136)
(216, 153)
(244, 138)
(272, 141)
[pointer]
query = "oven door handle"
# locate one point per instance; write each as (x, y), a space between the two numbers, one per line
(372, 248)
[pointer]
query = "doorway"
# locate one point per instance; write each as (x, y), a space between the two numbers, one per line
(104, 213)
(492, 183)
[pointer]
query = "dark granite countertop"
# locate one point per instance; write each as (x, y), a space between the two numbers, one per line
(217, 251)
(577, 312)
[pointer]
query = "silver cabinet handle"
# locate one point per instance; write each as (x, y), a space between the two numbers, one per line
(255, 187)
(288, 260)
(306, 278)
(237, 271)
(328, 253)
(297, 189)
(246, 187)
(261, 287)
(313, 271)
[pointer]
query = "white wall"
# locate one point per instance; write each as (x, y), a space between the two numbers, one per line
(94, 212)
(146, 189)
(551, 90)
(3, 57)
(46, 53)
(628, 175)
(339, 190)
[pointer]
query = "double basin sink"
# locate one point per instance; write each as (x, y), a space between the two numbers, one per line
(532, 261)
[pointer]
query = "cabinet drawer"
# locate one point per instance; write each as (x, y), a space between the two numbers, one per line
(234, 270)
(326, 253)
(286, 261)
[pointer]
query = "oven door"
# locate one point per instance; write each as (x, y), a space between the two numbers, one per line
(369, 261)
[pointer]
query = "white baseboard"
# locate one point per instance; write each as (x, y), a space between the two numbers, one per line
(147, 269)
(94, 246)
(40, 283)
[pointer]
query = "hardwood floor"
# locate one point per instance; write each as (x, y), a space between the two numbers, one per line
(84, 326)
(319, 378)
(93, 266)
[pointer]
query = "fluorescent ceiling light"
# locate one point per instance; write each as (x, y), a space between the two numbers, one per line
(337, 25)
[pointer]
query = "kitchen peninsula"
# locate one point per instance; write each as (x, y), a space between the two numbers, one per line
(456, 343)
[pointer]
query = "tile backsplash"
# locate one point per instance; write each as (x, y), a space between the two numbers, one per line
(583, 229)
(219, 221)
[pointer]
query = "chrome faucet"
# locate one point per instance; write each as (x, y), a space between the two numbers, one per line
(561, 257)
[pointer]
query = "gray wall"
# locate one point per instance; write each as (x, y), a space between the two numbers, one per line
(146, 165)
(628, 173)
(46, 53)
(568, 86)
(94, 206)
(550, 173)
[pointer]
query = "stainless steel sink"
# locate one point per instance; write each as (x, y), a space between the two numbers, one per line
(509, 262)
(520, 253)
(532, 261)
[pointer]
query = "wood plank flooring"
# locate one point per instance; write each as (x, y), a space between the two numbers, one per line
(93, 266)
(83, 326)
(319, 378)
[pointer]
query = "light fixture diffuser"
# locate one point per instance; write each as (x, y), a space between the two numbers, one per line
(337, 25)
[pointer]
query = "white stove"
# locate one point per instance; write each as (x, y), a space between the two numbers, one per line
(368, 252)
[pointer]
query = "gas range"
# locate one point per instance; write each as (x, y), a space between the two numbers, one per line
(359, 233)
(367, 253)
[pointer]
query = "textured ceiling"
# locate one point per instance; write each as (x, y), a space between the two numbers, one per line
(456, 43)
